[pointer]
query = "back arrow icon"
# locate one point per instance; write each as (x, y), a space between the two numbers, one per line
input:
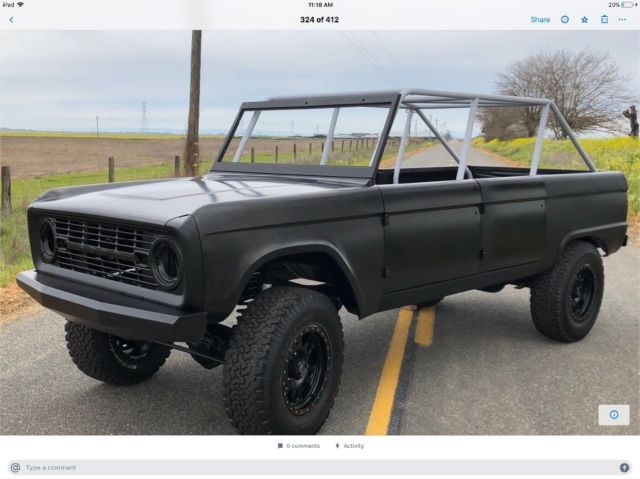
(11, 19)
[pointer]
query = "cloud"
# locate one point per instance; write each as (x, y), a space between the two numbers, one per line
(62, 80)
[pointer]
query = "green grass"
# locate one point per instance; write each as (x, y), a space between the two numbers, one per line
(608, 154)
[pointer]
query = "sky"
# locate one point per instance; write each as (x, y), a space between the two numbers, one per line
(60, 80)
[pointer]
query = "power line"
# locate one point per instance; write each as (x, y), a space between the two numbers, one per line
(363, 52)
(387, 51)
(372, 56)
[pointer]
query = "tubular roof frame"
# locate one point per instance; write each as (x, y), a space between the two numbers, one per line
(415, 100)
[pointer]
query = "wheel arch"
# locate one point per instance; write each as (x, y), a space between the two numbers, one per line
(321, 257)
(608, 238)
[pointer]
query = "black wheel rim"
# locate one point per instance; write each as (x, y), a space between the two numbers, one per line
(583, 291)
(130, 351)
(305, 370)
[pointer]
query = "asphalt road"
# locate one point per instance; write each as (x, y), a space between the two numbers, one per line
(487, 372)
(436, 155)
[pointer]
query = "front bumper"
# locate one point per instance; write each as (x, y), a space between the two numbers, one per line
(111, 312)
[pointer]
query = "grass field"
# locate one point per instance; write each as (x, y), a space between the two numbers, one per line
(93, 136)
(608, 154)
(40, 156)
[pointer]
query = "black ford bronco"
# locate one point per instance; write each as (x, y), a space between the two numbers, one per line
(299, 217)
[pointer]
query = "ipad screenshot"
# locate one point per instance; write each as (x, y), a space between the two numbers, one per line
(319, 238)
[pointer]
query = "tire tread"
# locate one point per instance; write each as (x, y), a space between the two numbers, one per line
(246, 361)
(90, 353)
(547, 292)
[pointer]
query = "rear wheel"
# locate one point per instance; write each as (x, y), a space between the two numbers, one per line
(284, 362)
(112, 359)
(566, 300)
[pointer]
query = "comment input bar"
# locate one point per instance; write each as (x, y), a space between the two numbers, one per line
(378, 468)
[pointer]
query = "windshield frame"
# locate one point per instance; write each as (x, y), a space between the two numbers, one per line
(390, 100)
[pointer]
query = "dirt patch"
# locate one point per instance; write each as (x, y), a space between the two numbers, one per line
(43, 156)
(633, 230)
(14, 303)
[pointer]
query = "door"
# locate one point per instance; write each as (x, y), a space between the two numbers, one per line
(513, 221)
(431, 233)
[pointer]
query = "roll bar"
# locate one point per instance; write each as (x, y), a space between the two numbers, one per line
(417, 100)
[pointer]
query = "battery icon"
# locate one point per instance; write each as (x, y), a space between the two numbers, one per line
(626, 4)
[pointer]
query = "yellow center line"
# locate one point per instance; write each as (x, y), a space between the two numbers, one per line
(424, 327)
(385, 395)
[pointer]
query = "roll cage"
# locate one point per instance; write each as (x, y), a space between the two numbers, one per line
(414, 101)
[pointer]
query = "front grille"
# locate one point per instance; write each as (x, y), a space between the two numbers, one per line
(115, 252)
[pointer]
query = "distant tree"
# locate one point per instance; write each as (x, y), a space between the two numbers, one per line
(587, 87)
(502, 123)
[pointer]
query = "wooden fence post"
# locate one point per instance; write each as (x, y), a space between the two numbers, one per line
(276, 153)
(176, 166)
(253, 155)
(295, 152)
(332, 144)
(6, 189)
(342, 146)
(112, 176)
(309, 149)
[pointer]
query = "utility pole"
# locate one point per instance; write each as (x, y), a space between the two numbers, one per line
(191, 147)
(97, 127)
(144, 125)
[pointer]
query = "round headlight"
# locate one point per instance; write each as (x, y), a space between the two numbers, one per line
(165, 263)
(47, 240)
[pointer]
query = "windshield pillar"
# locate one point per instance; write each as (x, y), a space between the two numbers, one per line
(327, 144)
(246, 136)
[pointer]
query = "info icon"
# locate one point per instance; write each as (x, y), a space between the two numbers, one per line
(613, 414)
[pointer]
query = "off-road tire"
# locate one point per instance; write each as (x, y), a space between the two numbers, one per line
(257, 360)
(551, 294)
(95, 354)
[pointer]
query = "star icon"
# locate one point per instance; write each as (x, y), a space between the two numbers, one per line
(584, 20)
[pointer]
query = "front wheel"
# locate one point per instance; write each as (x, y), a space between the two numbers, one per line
(566, 300)
(284, 362)
(112, 359)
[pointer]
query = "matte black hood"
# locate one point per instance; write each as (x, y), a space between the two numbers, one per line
(158, 201)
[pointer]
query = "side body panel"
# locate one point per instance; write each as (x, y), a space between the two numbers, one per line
(513, 221)
(433, 233)
(585, 205)
(526, 222)
(238, 238)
